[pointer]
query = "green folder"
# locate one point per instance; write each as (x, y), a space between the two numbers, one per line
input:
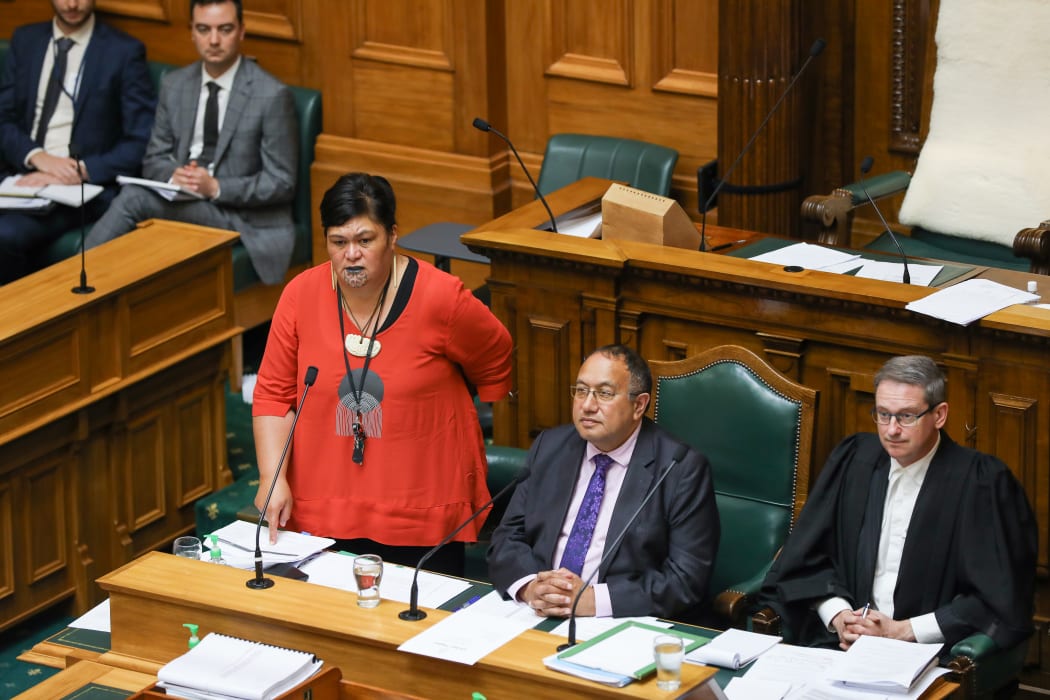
(692, 641)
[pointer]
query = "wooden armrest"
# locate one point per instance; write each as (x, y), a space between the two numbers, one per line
(766, 621)
(1034, 244)
(833, 213)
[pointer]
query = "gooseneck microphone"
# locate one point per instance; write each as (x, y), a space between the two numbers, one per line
(814, 51)
(414, 614)
(483, 125)
(260, 581)
(83, 287)
(679, 455)
(865, 167)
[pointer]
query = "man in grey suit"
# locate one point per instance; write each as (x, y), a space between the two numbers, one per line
(585, 482)
(224, 129)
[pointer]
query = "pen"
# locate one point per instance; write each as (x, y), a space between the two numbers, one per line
(864, 613)
(723, 246)
(470, 602)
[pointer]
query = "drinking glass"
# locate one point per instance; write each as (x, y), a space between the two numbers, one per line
(189, 547)
(668, 650)
(368, 572)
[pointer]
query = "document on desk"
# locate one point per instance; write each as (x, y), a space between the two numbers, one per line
(237, 541)
(97, 618)
(807, 255)
(881, 664)
(732, 649)
(970, 300)
(920, 275)
(467, 635)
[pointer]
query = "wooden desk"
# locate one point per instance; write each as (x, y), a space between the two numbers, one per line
(562, 297)
(112, 414)
(151, 597)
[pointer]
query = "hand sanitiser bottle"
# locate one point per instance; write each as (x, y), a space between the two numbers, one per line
(214, 552)
(194, 639)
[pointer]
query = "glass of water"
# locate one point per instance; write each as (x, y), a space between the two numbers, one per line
(189, 547)
(669, 651)
(368, 572)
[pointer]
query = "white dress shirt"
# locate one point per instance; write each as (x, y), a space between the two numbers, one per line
(225, 83)
(60, 130)
(901, 492)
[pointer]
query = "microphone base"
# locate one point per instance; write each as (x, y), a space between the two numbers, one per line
(566, 646)
(412, 615)
(259, 584)
(83, 289)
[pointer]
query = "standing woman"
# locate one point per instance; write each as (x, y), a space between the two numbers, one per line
(388, 456)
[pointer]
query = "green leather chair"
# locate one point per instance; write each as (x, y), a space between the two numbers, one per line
(756, 428)
(572, 157)
(568, 158)
(505, 463)
(832, 217)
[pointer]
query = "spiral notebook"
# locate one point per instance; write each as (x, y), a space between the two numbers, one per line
(228, 668)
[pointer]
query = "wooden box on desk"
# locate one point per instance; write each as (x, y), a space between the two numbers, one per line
(629, 214)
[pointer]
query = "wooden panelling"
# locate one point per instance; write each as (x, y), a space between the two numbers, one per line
(277, 19)
(591, 40)
(685, 59)
(44, 516)
(143, 467)
(7, 554)
(159, 10)
(405, 32)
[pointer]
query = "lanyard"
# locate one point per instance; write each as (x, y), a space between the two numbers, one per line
(357, 392)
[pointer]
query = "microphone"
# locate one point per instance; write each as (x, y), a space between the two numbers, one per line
(865, 167)
(414, 614)
(483, 125)
(814, 51)
(82, 288)
(261, 582)
(74, 153)
(679, 455)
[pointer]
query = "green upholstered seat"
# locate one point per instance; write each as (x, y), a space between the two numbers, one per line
(928, 244)
(505, 463)
(755, 426)
(571, 157)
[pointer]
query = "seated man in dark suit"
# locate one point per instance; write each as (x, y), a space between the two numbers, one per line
(908, 535)
(71, 87)
(586, 480)
(225, 129)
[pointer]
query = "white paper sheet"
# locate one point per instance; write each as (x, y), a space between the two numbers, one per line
(920, 275)
(807, 255)
(97, 618)
(732, 649)
(753, 689)
(465, 636)
(970, 300)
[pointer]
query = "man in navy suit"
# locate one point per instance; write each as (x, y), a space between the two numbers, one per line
(75, 82)
(586, 481)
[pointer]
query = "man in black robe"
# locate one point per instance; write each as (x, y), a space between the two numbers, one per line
(908, 535)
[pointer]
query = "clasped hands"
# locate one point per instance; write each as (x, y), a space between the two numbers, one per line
(53, 170)
(850, 625)
(196, 178)
(551, 593)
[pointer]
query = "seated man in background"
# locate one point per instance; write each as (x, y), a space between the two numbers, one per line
(70, 87)
(932, 540)
(225, 129)
(586, 481)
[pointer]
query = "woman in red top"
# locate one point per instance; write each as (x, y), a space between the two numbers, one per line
(388, 455)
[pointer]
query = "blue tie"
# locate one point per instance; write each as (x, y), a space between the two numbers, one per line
(583, 529)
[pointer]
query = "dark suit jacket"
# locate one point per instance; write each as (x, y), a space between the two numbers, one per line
(664, 562)
(255, 159)
(113, 107)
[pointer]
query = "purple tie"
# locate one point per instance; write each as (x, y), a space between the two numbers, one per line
(583, 529)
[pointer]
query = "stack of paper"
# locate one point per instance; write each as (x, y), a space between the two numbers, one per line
(812, 257)
(168, 190)
(238, 545)
(14, 196)
(227, 667)
(732, 649)
(888, 665)
(970, 300)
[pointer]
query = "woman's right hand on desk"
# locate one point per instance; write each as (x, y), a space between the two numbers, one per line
(280, 508)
